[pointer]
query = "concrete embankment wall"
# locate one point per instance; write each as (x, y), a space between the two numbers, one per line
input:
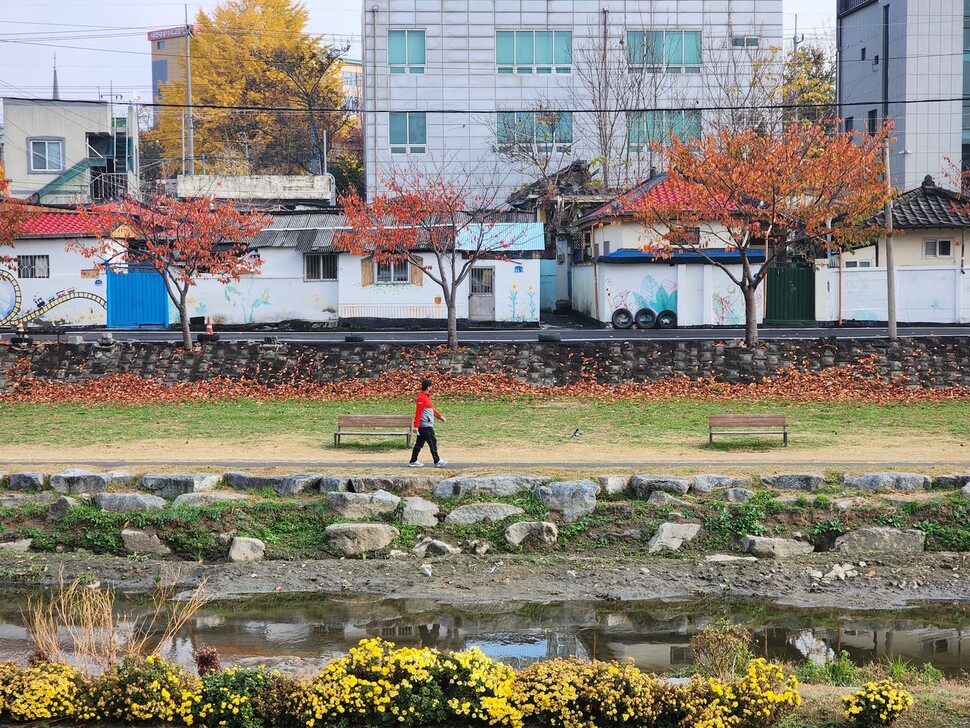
(924, 362)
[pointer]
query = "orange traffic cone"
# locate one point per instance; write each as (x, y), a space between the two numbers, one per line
(20, 328)
(208, 325)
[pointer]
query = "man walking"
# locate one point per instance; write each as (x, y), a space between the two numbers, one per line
(424, 417)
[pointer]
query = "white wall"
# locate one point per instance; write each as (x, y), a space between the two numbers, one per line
(925, 294)
(277, 293)
(516, 294)
(68, 299)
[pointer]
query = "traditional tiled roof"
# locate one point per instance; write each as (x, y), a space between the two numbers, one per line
(926, 206)
(656, 187)
(56, 225)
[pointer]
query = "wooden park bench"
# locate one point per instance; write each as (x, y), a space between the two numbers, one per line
(374, 425)
(747, 425)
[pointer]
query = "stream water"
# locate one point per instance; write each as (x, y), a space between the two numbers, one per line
(302, 632)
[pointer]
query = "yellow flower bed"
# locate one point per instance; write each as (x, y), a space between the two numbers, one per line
(877, 703)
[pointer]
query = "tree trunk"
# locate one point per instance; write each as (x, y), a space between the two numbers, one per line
(452, 321)
(750, 315)
(184, 316)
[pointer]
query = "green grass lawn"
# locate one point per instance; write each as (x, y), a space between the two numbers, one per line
(476, 423)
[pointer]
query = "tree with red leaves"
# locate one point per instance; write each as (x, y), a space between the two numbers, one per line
(801, 192)
(181, 239)
(416, 214)
(14, 215)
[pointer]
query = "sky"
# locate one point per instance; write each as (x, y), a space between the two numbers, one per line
(102, 49)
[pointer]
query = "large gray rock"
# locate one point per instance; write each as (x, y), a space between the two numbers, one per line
(363, 505)
(248, 481)
(427, 546)
(572, 499)
(206, 498)
(140, 542)
(297, 483)
(954, 481)
(75, 482)
(12, 500)
(356, 539)
(27, 482)
(736, 495)
(882, 539)
(129, 502)
(478, 512)
(644, 485)
(774, 548)
(887, 481)
(710, 483)
(419, 512)
(246, 549)
(614, 484)
(120, 479)
(397, 484)
(334, 483)
(541, 532)
(172, 486)
(966, 491)
(59, 508)
(793, 481)
(21, 545)
(661, 499)
(493, 485)
(672, 536)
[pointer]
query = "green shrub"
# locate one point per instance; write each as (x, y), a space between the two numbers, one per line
(762, 698)
(229, 699)
(722, 650)
(144, 689)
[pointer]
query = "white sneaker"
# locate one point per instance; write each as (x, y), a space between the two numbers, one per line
(416, 464)
(441, 463)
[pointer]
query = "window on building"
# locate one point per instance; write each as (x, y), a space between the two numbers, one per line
(937, 248)
(534, 51)
(746, 41)
(33, 266)
(393, 272)
(408, 132)
(646, 127)
(542, 130)
(320, 267)
(406, 51)
(858, 263)
(849, 123)
(664, 51)
(46, 155)
(871, 120)
(160, 45)
(862, 55)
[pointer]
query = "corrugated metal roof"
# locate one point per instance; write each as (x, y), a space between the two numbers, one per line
(503, 237)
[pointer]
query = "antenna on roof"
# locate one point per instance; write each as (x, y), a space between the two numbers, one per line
(55, 94)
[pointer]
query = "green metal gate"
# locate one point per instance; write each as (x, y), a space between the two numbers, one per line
(791, 293)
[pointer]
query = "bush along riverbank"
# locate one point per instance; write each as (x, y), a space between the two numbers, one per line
(243, 517)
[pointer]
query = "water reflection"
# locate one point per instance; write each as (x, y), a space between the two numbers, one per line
(302, 633)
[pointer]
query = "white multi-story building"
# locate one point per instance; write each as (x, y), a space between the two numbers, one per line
(494, 94)
(905, 60)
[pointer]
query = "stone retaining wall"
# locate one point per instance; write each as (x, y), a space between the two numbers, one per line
(925, 362)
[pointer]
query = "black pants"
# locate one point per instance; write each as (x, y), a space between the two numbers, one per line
(425, 435)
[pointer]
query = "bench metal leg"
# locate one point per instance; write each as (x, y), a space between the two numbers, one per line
(785, 435)
(336, 439)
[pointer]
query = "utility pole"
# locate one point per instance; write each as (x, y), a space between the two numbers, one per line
(796, 39)
(890, 261)
(188, 92)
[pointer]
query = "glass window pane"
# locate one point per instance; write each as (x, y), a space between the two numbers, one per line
(692, 47)
(505, 48)
(944, 249)
(54, 155)
(653, 46)
(634, 47)
(401, 273)
(929, 248)
(564, 129)
(523, 48)
(524, 127)
(396, 47)
(505, 127)
(545, 124)
(415, 47)
(398, 125)
(674, 48)
(543, 47)
(692, 125)
(37, 156)
(564, 48)
(417, 128)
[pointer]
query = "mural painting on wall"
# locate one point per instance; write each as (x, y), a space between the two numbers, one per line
(656, 296)
(727, 306)
(235, 297)
(527, 304)
(14, 311)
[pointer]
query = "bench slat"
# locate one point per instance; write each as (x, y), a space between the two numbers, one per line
(746, 420)
(374, 420)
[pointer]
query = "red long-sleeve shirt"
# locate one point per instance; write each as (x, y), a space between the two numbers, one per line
(424, 402)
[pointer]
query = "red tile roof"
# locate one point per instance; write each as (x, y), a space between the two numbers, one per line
(656, 187)
(55, 224)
